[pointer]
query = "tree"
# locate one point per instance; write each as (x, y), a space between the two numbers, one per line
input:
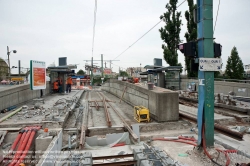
(190, 35)
(123, 73)
(234, 68)
(170, 34)
(80, 72)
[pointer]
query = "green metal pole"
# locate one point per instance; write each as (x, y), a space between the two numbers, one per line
(206, 78)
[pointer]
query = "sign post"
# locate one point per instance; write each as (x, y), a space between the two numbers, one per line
(206, 72)
(37, 75)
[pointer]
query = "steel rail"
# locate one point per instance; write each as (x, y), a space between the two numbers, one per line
(112, 157)
(127, 163)
(108, 119)
(99, 106)
(219, 128)
(124, 122)
(107, 115)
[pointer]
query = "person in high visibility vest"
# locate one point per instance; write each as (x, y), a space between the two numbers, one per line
(55, 86)
(69, 83)
(59, 80)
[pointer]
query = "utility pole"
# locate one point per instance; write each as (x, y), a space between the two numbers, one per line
(102, 64)
(102, 61)
(92, 71)
(8, 53)
(105, 64)
(19, 67)
(206, 78)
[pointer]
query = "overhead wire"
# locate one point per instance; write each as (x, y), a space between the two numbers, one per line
(93, 40)
(181, 3)
(216, 16)
(139, 38)
(215, 26)
(144, 34)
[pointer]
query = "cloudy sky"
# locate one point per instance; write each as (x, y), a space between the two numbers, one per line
(47, 29)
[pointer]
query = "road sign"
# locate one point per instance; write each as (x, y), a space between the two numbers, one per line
(210, 64)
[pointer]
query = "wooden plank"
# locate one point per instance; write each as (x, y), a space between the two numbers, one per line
(71, 129)
(2, 136)
(10, 129)
(123, 93)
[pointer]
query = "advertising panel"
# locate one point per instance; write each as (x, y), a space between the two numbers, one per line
(107, 71)
(97, 72)
(37, 75)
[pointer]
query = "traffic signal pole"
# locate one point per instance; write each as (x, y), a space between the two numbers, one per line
(206, 78)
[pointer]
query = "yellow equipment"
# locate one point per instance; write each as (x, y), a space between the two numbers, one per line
(141, 114)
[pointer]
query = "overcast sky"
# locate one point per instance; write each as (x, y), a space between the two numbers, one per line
(47, 29)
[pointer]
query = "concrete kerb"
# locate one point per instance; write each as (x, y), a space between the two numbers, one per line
(72, 107)
(220, 105)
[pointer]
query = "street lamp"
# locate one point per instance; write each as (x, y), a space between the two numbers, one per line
(8, 53)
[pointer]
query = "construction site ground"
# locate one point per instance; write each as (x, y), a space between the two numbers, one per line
(184, 153)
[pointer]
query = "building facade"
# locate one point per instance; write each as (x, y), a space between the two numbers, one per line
(4, 69)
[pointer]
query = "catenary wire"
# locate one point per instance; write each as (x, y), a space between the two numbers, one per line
(216, 16)
(139, 38)
(181, 3)
(144, 34)
(93, 40)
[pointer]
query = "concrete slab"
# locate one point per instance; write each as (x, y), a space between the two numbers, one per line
(108, 141)
(111, 138)
(242, 146)
(173, 149)
(127, 149)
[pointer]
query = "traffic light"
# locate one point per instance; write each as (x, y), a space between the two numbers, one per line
(194, 65)
(217, 50)
(189, 49)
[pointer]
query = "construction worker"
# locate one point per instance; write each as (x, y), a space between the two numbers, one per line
(55, 86)
(59, 80)
(69, 84)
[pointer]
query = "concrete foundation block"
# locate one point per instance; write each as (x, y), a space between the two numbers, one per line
(139, 158)
(145, 163)
(163, 104)
(41, 144)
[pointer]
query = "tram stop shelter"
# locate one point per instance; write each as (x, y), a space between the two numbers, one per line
(165, 77)
(61, 72)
